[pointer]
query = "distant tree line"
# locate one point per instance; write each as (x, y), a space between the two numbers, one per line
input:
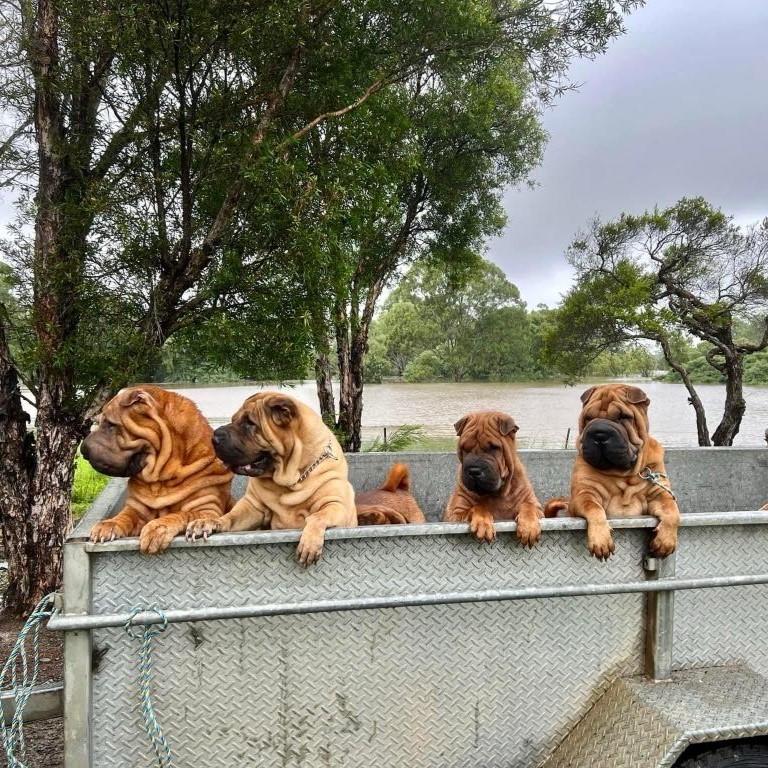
(469, 323)
(453, 323)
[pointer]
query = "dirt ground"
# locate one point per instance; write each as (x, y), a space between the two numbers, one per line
(45, 739)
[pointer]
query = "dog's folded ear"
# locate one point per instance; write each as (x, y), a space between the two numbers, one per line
(131, 397)
(586, 395)
(460, 424)
(636, 396)
(282, 409)
(507, 426)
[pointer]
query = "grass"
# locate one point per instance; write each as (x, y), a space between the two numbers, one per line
(434, 444)
(87, 486)
(411, 437)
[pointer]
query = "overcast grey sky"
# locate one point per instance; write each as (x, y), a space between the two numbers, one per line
(678, 106)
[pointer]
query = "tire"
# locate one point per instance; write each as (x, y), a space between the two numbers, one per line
(732, 754)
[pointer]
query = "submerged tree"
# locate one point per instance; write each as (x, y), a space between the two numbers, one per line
(684, 271)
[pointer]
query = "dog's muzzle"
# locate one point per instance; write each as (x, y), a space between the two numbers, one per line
(480, 476)
(107, 462)
(606, 445)
(226, 447)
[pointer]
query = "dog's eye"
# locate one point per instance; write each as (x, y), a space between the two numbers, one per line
(625, 417)
(494, 447)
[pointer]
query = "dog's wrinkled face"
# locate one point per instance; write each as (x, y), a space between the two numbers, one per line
(116, 446)
(261, 433)
(486, 451)
(613, 426)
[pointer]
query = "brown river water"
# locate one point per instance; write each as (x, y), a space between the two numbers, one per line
(543, 410)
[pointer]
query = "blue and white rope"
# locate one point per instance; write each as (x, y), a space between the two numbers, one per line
(154, 731)
(18, 663)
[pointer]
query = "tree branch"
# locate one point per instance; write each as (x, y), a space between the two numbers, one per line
(370, 91)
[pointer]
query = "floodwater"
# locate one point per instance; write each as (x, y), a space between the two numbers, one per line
(544, 411)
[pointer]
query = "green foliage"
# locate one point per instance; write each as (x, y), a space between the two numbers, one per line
(756, 368)
(668, 276)
(87, 486)
(426, 366)
(631, 359)
(701, 372)
(401, 439)
(469, 323)
(665, 276)
(401, 333)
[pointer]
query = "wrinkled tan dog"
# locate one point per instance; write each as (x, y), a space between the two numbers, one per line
(298, 473)
(619, 470)
(492, 482)
(391, 503)
(161, 441)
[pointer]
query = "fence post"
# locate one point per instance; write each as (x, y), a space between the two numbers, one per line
(659, 619)
(77, 659)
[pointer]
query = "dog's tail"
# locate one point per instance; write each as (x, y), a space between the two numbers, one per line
(398, 479)
(556, 507)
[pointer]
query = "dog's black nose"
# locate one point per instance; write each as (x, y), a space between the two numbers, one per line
(219, 437)
(600, 435)
(474, 471)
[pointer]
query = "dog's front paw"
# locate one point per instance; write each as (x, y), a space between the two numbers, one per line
(600, 540)
(202, 529)
(481, 526)
(528, 530)
(310, 546)
(664, 541)
(156, 536)
(106, 530)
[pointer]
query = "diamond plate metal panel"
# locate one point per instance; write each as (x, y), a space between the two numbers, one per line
(728, 625)
(488, 684)
(433, 686)
(451, 686)
(238, 575)
(642, 724)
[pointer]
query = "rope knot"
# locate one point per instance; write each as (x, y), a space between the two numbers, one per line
(655, 478)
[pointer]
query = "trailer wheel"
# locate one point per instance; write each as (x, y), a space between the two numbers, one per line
(732, 754)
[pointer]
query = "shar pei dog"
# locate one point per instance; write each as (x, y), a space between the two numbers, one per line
(492, 482)
(391, 503)
(619, 470)
(161, 442)
(297, 470)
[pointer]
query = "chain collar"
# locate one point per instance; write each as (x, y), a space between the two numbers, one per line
(326, 454)
(655, 478)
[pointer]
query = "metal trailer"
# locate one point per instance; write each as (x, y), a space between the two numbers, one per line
(417, 647)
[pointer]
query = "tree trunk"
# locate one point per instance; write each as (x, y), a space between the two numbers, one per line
(351, 394)
(735, 405)
(693, 396)
(324, 382)
(16, 469)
